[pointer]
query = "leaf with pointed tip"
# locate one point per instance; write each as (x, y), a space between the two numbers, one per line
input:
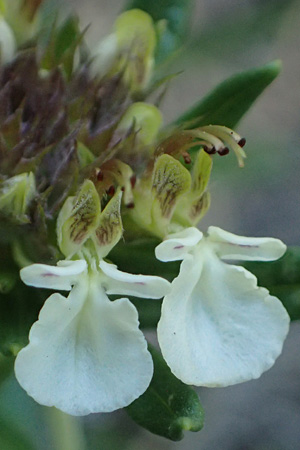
(67, 36)
(231, 99)
(168, 407)
(282, 278)
(173, 33)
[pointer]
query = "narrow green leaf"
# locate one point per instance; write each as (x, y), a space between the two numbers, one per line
(231, 99)
(172, 33)
(67, 36)
(282, 278)
(168, 407)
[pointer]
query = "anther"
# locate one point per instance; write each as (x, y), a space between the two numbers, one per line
(111, 191)
(210, 150)
(187, 158)
(100, 175)
(130, 205)
(224, 151)
(242, 142)
(132, 181)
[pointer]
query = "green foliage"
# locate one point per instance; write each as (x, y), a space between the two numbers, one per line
(142, 259)
(11, 438)
(173, 30)
(58, 44)
(282, 278)
(168, 407)
(231, 99)
(6, 368)
(18, 310)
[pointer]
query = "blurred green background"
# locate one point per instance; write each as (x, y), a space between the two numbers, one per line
(261, 199)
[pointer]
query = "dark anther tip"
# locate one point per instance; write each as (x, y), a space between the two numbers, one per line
(187, 158)
(130, 205)
(111, 191)
(133, 181)
(224, 151)
(242, 142)
(100, 175)
(210, 150)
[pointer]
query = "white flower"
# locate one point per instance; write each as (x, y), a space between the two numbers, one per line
(217, 326)
(86, 353)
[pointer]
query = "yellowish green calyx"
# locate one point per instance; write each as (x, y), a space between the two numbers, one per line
(78, 219)
(16, 193)
(170, 180)
(194, 204)
(110, 229)
(156, 198)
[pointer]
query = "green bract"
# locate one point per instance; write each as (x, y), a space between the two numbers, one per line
(16, 193)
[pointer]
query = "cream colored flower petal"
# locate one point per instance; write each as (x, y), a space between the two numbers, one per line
(124, 283)
(177, 245)
(230, 246)
(61, 277)
(86, 354)
(222, 330)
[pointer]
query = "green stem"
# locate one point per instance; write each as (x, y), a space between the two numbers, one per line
(67, 431)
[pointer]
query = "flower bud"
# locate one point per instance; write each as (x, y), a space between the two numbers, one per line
(7, 41)
(15, 195)
(129, 50)
(145, 118)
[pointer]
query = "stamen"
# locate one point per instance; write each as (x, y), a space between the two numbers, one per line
(207, 137)
(242, 142)
(111, 191)
(132, 181)
(230, 139)
(210, 150)
(187, 158)
(100, 175)
(224, 151)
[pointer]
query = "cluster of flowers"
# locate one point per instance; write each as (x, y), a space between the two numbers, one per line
(86, 352)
